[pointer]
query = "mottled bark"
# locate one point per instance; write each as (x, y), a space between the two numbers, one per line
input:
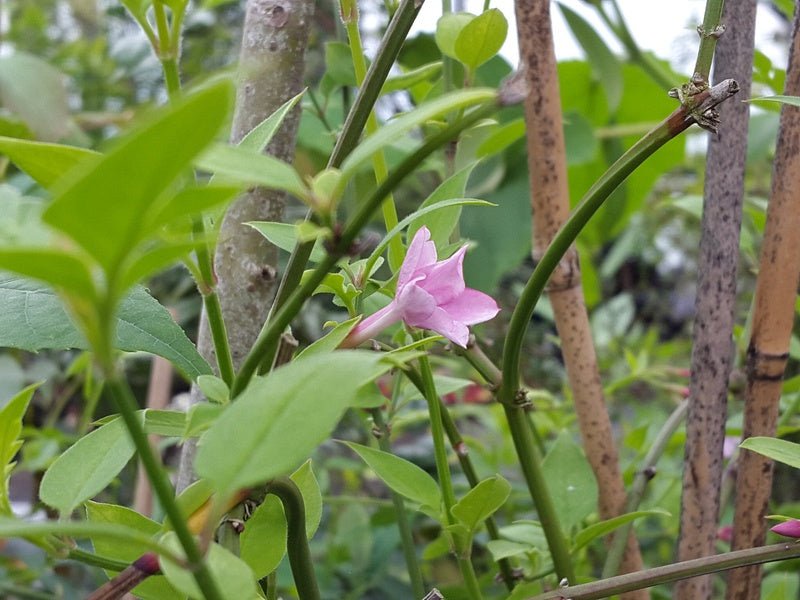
(712, 351)
(550, 201)
(271, 67)
(773, 318)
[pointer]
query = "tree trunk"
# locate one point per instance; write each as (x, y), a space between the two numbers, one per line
(713, 348)
(550, 201)
(271, 67)
(773, 318)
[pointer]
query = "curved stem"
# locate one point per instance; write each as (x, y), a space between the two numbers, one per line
(643, 477)
(700, 566)
(297, 543)
(267, 341)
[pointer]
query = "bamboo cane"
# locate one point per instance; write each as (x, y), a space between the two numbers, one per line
(773, 318)
(712, 350)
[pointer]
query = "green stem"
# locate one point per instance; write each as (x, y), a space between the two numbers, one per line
(531, 463)
(709, 34)
(521, 432)
(266, 343)
(447, 62)
(443, 472)
(643, 477)
(378, 159)
(297, 541)
(406, 537)
(126, 405)
(9, 590)
(462, 453)
(95, 560)
(606, 588)
(166, 50)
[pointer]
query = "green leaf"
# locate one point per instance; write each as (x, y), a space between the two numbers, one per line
(572, 484)
(244, 166)
(87, 467)
(120, 189)
(11, 416)
(308, 396)
(306, 482)
(783, 451)
(404, 477)
(200, 418)
(339, 64)
(579, 138)
(20, 220)
(190, 202)
(441, 223)
(214, 389)
(155, 587)
(45, 163)
(411, 77)
(166, 423)
(284, 236)
(263, 541)
(502, 138)
(57, 268)
(397, 128)
(34, 90)
(261, 135)
(481, 38)
(119, 533)
(448, 27)
(34, 319)
(596, 530)
(790, 100)
(235, 580)
(481, 502)
(330, 341)
(605, 65)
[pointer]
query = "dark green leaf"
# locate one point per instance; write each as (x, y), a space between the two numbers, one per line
(263, 542)
(441, 223)
(596, 530)
(572, 484)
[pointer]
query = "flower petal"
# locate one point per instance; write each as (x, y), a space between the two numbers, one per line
(415, 304)
(373, 325)
(471, 307)
(445, 280)
(788, 528)
(421, 253)
(440, 322)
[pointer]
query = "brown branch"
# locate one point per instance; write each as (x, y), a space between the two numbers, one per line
(773, 318)
(145, 566)
(712, 350)
(550, 201)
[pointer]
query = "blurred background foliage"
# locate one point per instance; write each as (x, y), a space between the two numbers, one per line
(77, 71)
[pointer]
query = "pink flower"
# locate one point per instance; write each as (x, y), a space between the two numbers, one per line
(430, 295)
(788, 528)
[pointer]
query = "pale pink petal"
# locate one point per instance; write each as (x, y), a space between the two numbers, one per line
(788, 528)
(421, 253)
(415, 304)
(442, 323)
(471, 307)
(445, 280)
(371, 326)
